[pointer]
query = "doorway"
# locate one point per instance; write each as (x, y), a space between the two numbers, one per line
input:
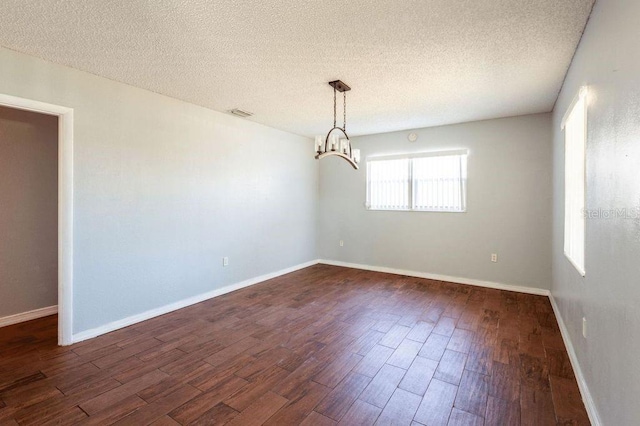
(64, 206)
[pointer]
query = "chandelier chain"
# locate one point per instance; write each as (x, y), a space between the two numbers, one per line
(344, 112)
(334, 107)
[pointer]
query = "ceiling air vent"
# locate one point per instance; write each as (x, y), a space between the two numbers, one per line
(241, 113)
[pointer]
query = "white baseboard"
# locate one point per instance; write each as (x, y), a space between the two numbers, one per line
(457, 280)
(589, 404)
(28, 316)
(125, 322)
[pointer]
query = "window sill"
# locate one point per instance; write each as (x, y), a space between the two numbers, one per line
(580, 270)
(415, 210)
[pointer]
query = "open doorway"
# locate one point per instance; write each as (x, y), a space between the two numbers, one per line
(36, 152)
(28, 215)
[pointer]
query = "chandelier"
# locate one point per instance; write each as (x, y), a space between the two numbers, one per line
(333, 144)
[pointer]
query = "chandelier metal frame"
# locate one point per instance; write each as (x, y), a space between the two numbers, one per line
(334, 146)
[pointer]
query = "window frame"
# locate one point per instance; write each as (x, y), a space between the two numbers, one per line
(579, 101)
(410, 157)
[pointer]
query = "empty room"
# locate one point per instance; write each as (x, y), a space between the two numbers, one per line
(282, 212)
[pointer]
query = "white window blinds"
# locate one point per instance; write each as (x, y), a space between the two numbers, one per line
(422, 182)
(389, 184)
(575, 124)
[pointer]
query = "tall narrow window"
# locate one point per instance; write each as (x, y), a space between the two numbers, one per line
(422, 182)
(575, 135)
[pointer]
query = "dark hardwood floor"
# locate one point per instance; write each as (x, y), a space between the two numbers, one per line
(321, 346)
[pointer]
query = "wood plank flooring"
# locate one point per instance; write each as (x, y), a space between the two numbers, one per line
(321, 346)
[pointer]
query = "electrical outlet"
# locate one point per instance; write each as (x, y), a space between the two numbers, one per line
(225, 261)
(494, 257)
(341, 243)
(584, 327)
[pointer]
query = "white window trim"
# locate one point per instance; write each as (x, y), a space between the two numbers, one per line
(581, 96)
(418, 155)
(411, 156)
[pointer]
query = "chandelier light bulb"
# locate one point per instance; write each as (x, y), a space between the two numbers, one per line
(344, 146)
(356, 155)
(318, 144)
(334, 142)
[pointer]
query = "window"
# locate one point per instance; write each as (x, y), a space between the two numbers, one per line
(422, 182)
(575, 135)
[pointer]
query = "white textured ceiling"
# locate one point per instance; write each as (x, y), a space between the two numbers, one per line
(410, 63)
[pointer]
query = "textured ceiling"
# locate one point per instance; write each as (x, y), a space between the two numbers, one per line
(410, 63)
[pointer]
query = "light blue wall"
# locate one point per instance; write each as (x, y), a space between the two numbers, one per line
(508, 208)
(163, 189)
(608, 62)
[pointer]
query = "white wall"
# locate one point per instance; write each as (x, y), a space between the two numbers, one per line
(608, 61)
(28, 211)
(164, 189)
(509, 206)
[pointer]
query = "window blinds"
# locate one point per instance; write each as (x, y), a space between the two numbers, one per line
(439, 183)
(422, 182)
(389, 184)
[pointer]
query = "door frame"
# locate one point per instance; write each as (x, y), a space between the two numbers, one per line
(65, 206)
